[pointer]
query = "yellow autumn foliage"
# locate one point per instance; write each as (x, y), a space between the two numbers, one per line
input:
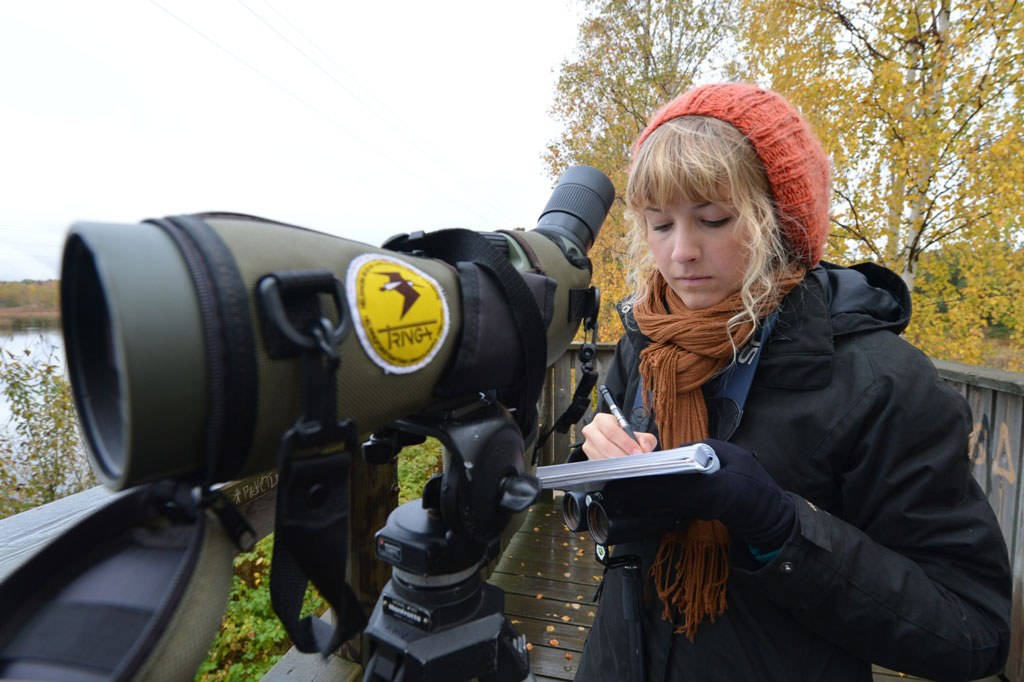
(918, 103)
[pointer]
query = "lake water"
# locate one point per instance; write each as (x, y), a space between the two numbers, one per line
(44, 345)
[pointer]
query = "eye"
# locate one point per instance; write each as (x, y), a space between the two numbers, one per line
(661, 227)
(720, 222)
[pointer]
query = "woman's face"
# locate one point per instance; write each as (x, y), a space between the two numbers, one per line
(697, 249)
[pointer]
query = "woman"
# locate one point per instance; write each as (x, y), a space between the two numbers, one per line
(856, 534)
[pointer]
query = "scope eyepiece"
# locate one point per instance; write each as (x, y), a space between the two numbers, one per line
(577, 207)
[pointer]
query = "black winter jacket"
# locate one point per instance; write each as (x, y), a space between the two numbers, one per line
(896, 557)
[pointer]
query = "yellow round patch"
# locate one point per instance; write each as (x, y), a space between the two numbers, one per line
(400, 313)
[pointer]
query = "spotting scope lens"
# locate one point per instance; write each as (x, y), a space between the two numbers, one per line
(92, 359)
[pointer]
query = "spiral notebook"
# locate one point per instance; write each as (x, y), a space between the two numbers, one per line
(592, 474)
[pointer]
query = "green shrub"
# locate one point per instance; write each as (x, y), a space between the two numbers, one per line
(251, 638)
(416, 465)
(41, 454)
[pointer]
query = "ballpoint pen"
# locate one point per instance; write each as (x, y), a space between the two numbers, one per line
(617, 413)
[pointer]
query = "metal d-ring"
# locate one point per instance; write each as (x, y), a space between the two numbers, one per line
(322, 334)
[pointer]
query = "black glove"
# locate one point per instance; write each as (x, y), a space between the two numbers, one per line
(741, 494)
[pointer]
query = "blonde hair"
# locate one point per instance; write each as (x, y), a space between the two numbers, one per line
(698, 158)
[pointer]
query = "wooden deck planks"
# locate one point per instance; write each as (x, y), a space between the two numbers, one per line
(549, 577)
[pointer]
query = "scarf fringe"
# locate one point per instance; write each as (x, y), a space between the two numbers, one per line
(690, 573)
(688, 347)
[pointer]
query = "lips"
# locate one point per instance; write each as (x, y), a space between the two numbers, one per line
(692, 281)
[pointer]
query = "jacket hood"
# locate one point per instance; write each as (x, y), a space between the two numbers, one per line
(831, 303)
(863, 297)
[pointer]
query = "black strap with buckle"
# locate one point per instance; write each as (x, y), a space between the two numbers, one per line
(313, 458)
(632, 605)
(581, 397)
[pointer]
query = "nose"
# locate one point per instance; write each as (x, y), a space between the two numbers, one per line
(684, 245)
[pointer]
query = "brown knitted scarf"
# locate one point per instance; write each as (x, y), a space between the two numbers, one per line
(688, 347)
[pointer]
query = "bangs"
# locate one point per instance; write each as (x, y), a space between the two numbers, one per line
(691, 158)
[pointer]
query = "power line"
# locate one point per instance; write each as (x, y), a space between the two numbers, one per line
(317, 111)
(298, 49)
(373, 110)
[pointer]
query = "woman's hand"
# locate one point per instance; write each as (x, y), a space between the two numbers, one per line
(605, 438)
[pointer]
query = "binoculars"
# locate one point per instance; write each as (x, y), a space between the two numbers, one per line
(612, 520)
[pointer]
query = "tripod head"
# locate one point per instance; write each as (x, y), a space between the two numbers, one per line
(436, 615)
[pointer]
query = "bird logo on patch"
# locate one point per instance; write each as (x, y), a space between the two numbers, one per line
(403, 286)
(398, 339)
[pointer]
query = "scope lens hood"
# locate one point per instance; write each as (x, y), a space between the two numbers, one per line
(134, 343)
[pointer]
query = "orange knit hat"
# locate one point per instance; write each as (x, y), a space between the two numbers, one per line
(794, 162)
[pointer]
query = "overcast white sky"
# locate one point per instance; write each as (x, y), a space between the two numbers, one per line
(361, 119)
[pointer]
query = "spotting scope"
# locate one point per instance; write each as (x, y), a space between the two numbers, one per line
(180, 343)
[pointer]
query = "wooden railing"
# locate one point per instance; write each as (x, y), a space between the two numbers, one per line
(996, 398)
(997, 441)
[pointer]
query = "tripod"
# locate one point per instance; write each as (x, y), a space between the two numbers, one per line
(437, 620)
